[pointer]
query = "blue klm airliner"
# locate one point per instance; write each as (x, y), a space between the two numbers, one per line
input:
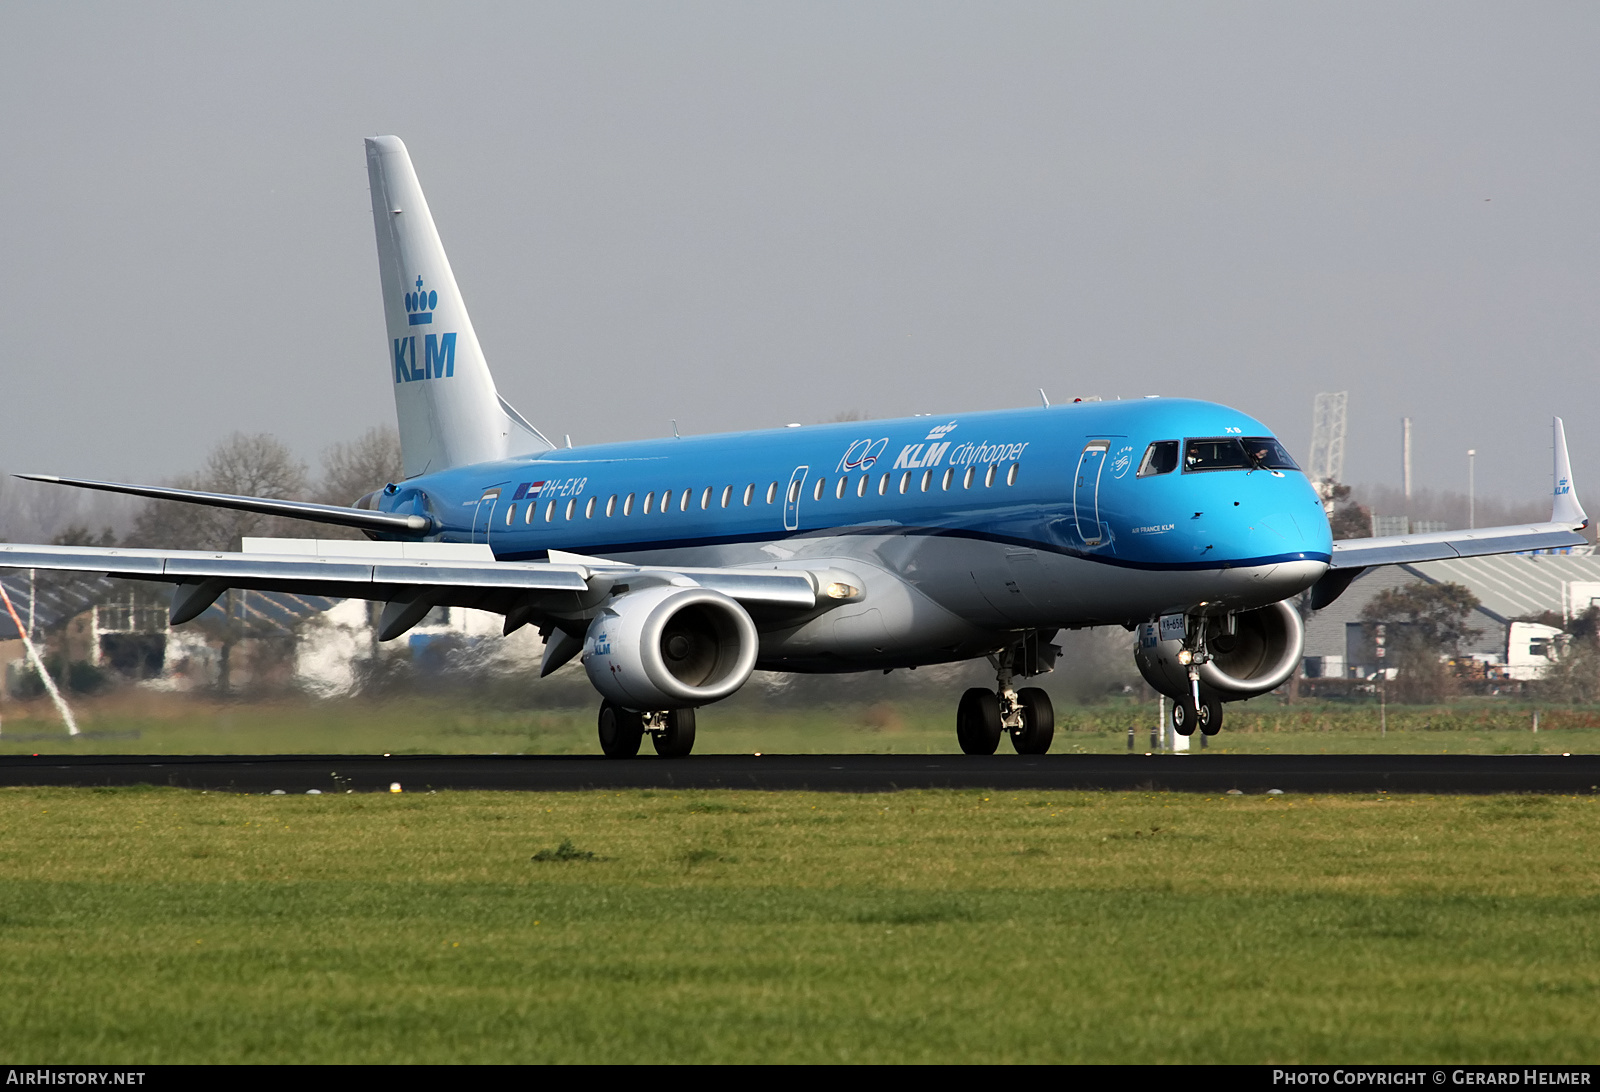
(676, 567)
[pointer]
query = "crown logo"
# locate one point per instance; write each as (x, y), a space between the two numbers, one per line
(420, 305)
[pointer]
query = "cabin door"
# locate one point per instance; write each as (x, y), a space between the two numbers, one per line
(483, 517)
(1086, 492)
(791, 499)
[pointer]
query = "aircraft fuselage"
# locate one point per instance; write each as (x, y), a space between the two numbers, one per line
(961, 527)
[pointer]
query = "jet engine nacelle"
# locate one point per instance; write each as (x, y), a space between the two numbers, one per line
(1258, 656)
(670, 648)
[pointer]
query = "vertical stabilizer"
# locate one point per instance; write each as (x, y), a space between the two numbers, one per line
(1564, 507)
(449, 411)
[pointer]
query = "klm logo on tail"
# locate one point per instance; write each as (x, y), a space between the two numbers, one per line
(439, 350)
(420, 305)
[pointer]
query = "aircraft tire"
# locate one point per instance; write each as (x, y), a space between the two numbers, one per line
(621, 731)
(978, 722)
(1038, 722)
(678, 738)
(1184, 717)
(1210, 719)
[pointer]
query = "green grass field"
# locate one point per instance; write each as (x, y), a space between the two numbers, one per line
(148, 926)
(143, 723)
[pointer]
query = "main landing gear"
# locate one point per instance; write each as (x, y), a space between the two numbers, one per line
(622, 730)
(1025, 714)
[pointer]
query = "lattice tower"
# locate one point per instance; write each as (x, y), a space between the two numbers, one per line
(1327, 439)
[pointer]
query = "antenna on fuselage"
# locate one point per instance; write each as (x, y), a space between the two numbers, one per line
(569, 439)
(1045, 398)
(675, 435)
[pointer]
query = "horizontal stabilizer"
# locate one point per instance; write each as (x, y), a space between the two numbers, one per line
(359, 518)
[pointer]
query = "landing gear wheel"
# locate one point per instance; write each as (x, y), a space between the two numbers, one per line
(621, 731)
(1183, 716)
(1038, 722)
(677, 739)
(1186, 717)
(978, 722)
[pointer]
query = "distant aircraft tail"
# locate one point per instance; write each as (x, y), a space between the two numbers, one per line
(1564, 507)
(449, 411)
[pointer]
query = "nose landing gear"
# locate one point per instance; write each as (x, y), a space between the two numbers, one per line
(1207, 716)
(1200, 709)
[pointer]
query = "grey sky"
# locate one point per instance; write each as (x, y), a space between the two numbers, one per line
(739, 215)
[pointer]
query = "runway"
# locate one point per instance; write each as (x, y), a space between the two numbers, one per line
(820, 773)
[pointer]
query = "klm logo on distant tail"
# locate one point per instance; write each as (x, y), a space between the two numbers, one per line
(438, 350)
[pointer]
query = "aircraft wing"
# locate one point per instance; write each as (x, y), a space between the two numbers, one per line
(1351, 557)
(413, 578)
(1361, 553)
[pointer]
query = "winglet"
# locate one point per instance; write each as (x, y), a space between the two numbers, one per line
(1564, 507)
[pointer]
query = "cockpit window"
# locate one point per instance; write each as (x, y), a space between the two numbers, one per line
(1268, 454)
(1160, 457)
(1222, 453)
(1236, 453)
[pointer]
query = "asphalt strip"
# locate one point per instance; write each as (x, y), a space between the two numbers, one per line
(1250, 774)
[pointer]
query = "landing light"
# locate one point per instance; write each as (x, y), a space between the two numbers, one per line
(1185, 656)
(841, 591)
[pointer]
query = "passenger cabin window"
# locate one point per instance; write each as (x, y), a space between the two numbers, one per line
(588, 509)
(550, 512)
(1235, 453)
(1011, 475)
(1160, 457)
(727, 495)
(883, 485)
(683, 502)
(861, 486)
(772, 491)
(988, 477)
(816, 492)
(705, 499)
(838, 488)
(649, 502)
(749, 494)
(611, 506)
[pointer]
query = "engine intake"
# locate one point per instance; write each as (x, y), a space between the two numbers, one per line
(670, 648)
(1258, 656)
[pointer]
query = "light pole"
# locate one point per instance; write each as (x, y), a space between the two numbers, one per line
(1472, 488)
